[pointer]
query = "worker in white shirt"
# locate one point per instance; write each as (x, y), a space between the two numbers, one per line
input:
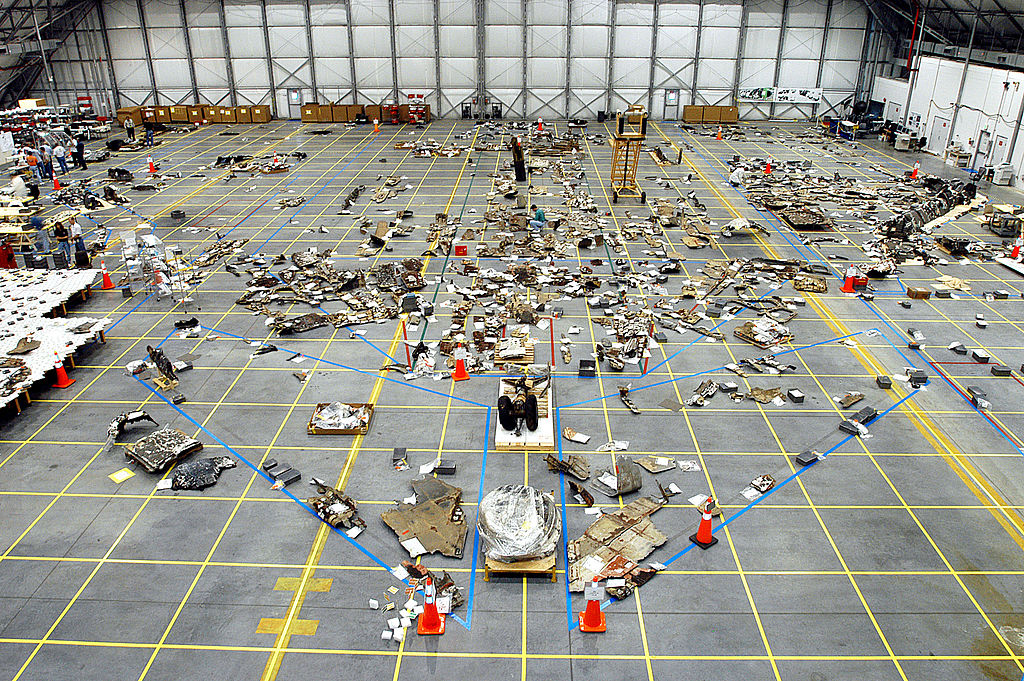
(76, 235)
(60, 156)
(18, 187)
(736, 177)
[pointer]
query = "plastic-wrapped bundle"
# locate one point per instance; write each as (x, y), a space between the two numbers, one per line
(518, 522)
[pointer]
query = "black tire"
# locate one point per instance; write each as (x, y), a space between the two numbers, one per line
(532, 415)
(643, 197)
(505, 416)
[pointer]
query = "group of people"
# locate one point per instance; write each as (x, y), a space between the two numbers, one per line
(65, 236)
(41, 161)
(147, 126)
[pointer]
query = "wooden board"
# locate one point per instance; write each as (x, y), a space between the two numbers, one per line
(540, 440)
(540, 566)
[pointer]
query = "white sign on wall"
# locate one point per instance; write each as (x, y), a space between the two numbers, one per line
(787, 95)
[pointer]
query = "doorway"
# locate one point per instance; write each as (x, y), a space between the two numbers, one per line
(938, 136)
(295, 103)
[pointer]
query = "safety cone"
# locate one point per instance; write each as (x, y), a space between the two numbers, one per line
(62, 376)
(107, 284)
(540, 125)
(152, 167)
(851, 274)
(704, 538)
(768, 167)
(1015, 253)
(430, 622)
(376, 125)
(592, 619)
(719, 135)
(460, 370)
(56, 183)
(913, 173)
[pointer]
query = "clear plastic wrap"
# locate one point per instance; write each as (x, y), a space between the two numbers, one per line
(517, 522)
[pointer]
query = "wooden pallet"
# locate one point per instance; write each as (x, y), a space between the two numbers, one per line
(540, 566)
(540, 440)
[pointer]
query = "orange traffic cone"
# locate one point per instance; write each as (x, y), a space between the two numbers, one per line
(851, 274)
(719, 135)
(376, 125)
(768, 167)
(1015, 253)
(62, 376)
(152, 167)
(704, 538)
(107, 284)
(592, 619)
(430, 622)
(460, 370)
(56, 183)
(913, 173)
(540, 125)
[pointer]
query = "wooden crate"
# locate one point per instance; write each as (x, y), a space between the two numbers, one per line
(712, 114)
(325, 113)
(163, 114)
(373, 111)
(195, 114)
(354, 110)
(362, 430)
(243, 114)
(730, 114)
(132, 112)
(310, 113)
(693, 114)
(339, 113)
(227, 115)
(539, 566)
(149, 113)
(211, 113)
(260, 114)
(179, 114)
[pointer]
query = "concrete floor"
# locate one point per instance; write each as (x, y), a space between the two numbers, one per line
(897, 557)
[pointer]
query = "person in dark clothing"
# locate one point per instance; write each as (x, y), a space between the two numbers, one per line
(63, 236)
(148, 127)
(79, 156)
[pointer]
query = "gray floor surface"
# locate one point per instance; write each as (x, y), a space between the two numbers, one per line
(896, 557)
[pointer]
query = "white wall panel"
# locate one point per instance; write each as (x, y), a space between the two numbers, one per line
(167, 43)
(456, 41)
(286, 13)
(207, 42)
(844, 43)
(802, 43)
(639, 14)
(761, 43)
(416, 72)
(631, 72)
(121, 14)
(502, 12)
(586, 73)
(236, 13)
(545, 71)
(414, 12)
(244, 42)
(838, 75)
(719, 43)
(757, 72)
(590, 12)
(250, 73)
(203, 13)
(546, 41)
(211, 73)
(373, 72)
(678, 15)
(798, 73)
(504, 41)
(676, 41)
(162, 14)
(546, 12)
(456, 13)
(503, 72)
(171, 73)
(633, 41)
(715, 73)
(333, 71)
(330, 41)
(372, 41)
(292, 72)
(455, 73)
(331, 13)
(287, 41)
(415, 41)
(589, 41)
(126, 44)
(673, 72)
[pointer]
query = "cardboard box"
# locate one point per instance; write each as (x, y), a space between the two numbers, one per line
(179, 114)
(712, 114)
(31, 103)
(354, 110)
(339, 113)
(211, 113)
(403, 113)
(325, 113)
(693, 114)
(195, 114)
(730, 114)
(373, 111)
(243, 114)
(132, 112)
(227, 115)
(163, 114)
(310, 113)
(260, 114)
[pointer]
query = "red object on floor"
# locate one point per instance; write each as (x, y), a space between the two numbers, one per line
(703, 538)
(107, 283)
(461, 249)
(62, 375)
(430, 622)
(592, 619)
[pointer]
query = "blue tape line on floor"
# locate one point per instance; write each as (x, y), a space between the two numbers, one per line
(362, 549)
(358, 371)
(746, 508)
(476, 533)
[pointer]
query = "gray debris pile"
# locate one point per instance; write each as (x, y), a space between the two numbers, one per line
(518, 523)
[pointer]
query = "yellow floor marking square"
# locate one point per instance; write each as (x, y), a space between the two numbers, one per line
(121, 475)
(316, 584)
(275, 625)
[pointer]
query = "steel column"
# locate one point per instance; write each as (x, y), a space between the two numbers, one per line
(740, 46)
(437, 57)
(654, 52)
(865, 49)
(963, 76)
(568, 53)
(55, 101)
(270, 62)
(149, 55)
(481, 40)
(351, 50)
(611, 51)
(188, 51)
(824, 47)
(525, 25)
(394, 52)
(915, 67)
(309, 42)
(230, 70)
(696, 52)
(106, 54)
(778, 52)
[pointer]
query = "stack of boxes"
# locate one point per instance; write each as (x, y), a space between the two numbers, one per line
(195, 114)
(712, 115)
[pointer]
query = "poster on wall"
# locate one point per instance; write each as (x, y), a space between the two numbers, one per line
(756, 94)
(796, 95)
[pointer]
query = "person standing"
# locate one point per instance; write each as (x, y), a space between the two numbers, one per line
(63, 236)
(42, 240)
(18, 187)
(60, 156)
(76, 235)
(148, 126)
(129, 130)
(46, 158)
(79, 157)
(33, 163)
